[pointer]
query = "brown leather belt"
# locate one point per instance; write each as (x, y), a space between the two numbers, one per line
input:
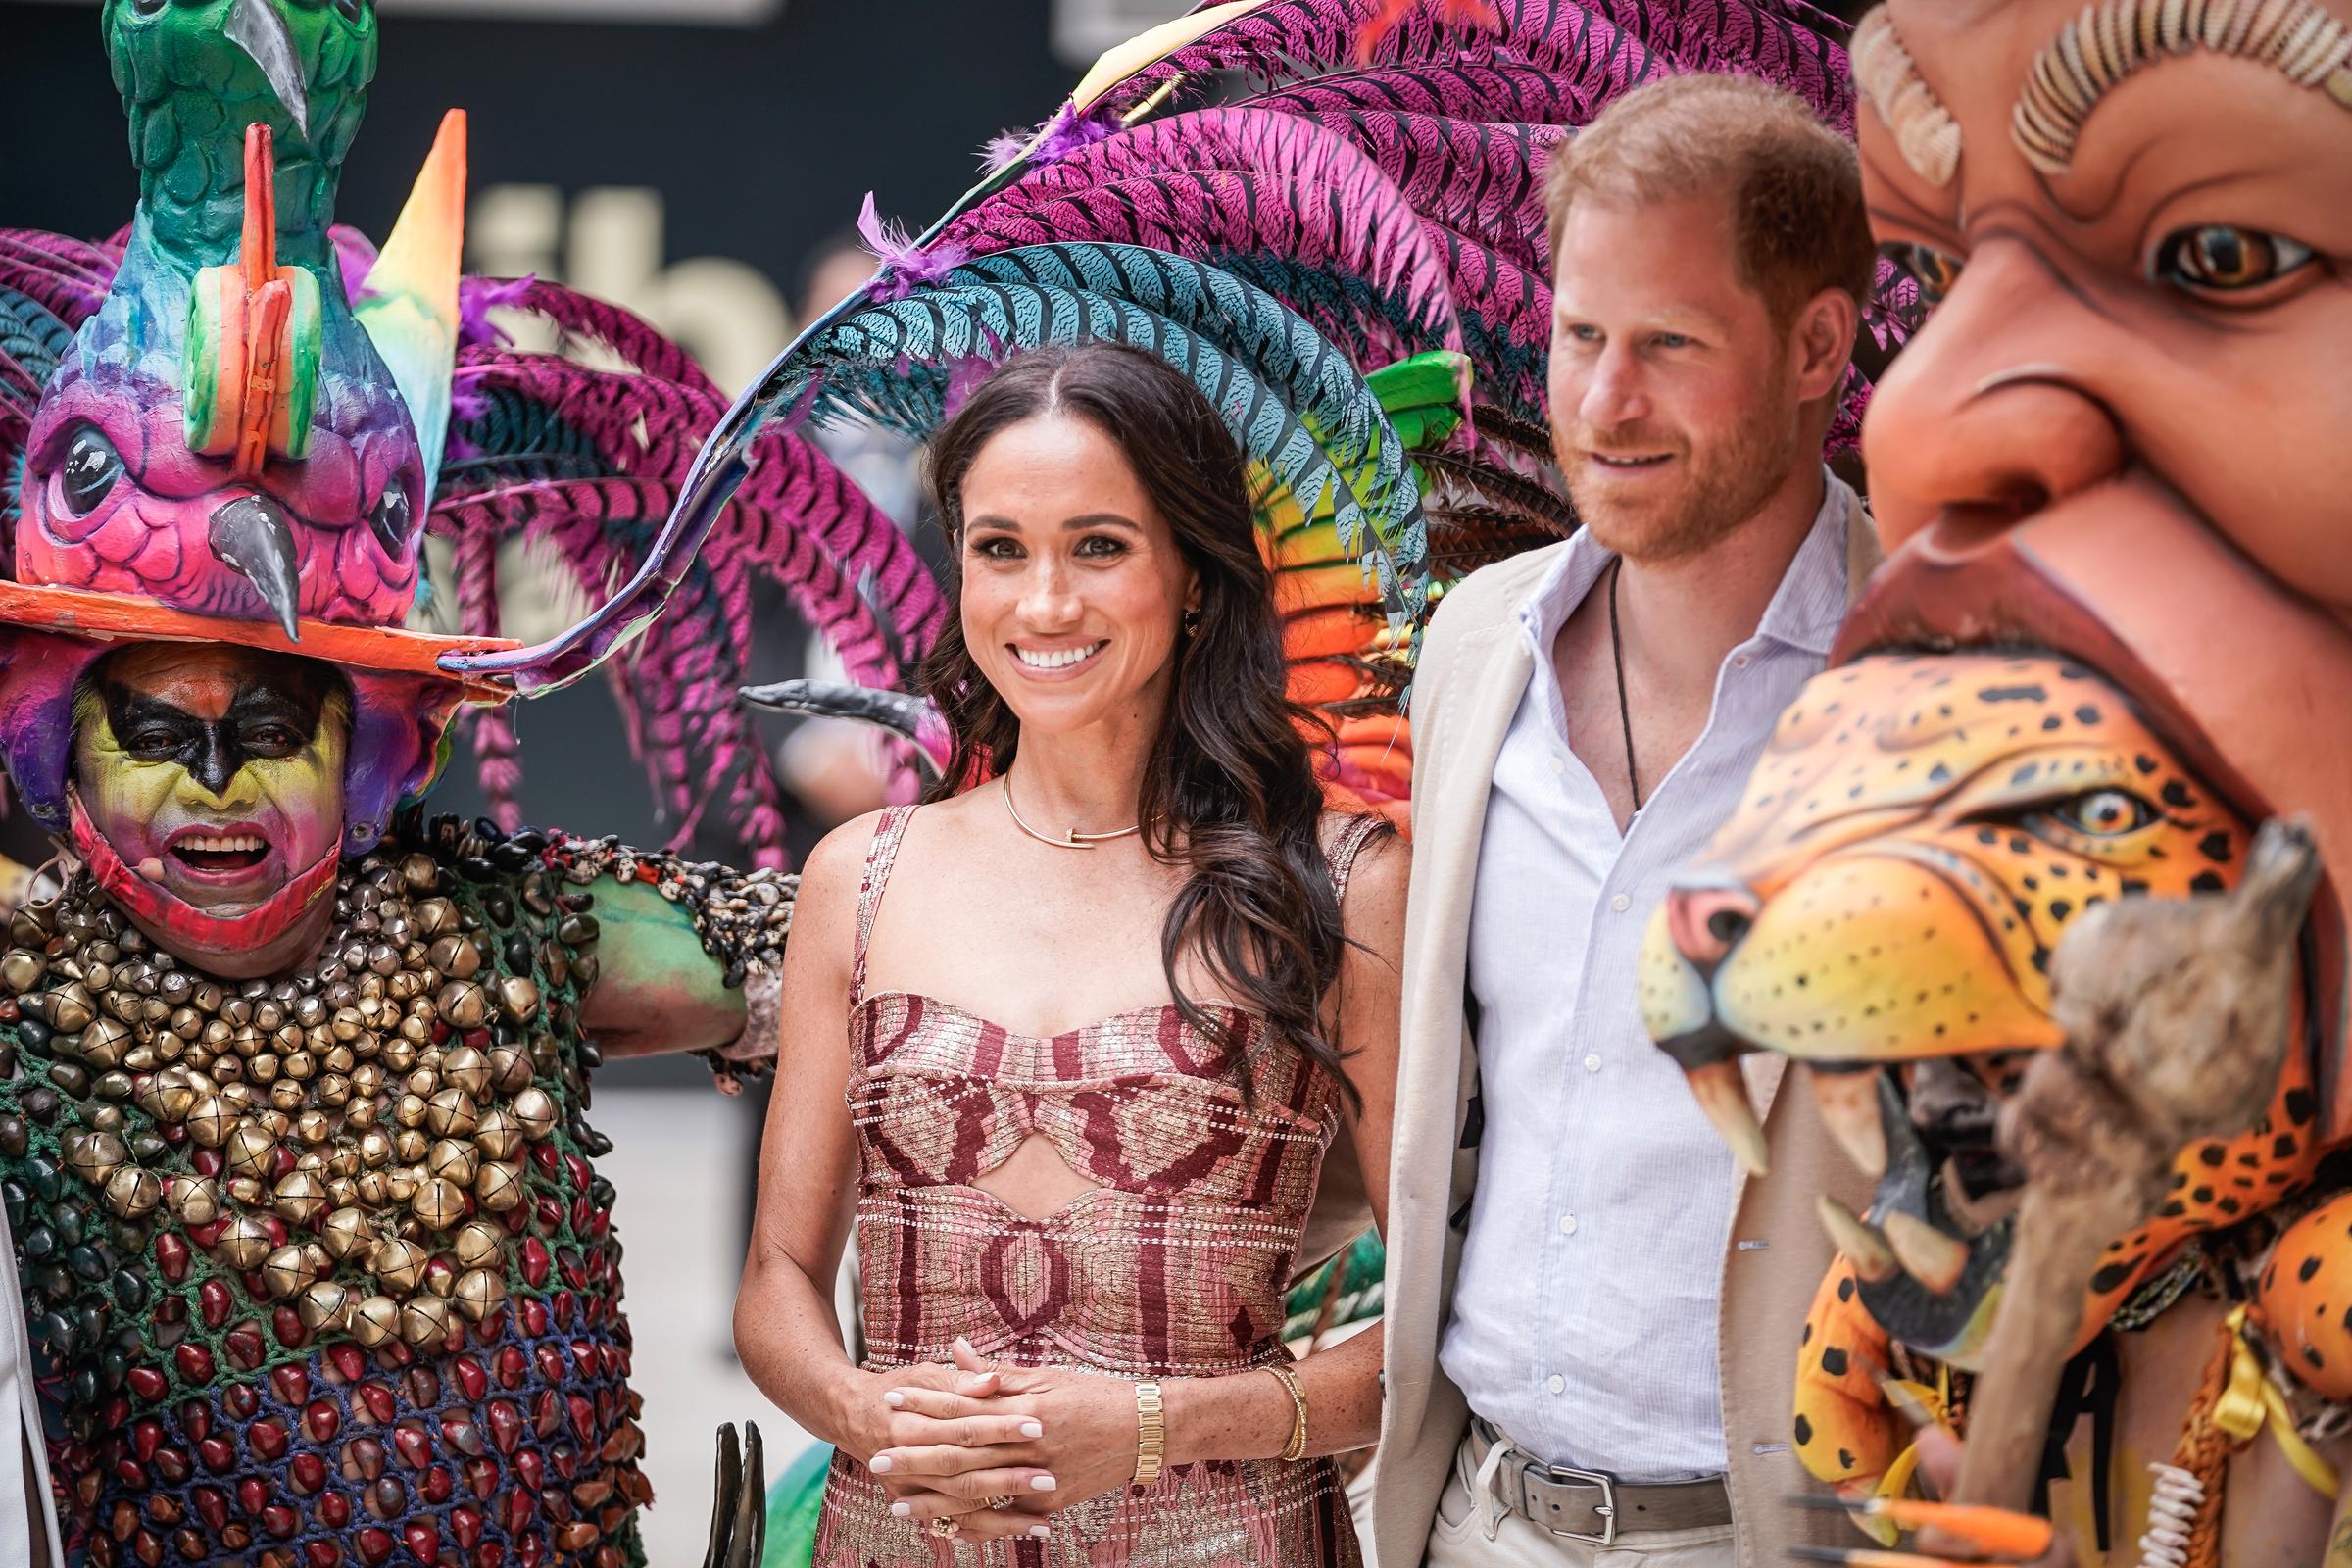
(1592, 1504)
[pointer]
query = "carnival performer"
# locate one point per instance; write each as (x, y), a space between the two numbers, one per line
(1081, 1138)
(293, 1077)
(1621, 1305)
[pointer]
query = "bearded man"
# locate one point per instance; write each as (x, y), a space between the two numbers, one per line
(1556, 1380)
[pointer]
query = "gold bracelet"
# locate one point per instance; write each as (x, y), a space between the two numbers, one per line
(1295, 1449)
(1150, 1434)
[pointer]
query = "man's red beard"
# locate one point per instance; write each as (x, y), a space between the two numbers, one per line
(1710, 491)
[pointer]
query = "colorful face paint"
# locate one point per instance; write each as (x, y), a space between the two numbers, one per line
(214, 775)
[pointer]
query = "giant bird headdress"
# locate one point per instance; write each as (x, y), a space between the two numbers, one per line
(235, 424)
(1347, 254)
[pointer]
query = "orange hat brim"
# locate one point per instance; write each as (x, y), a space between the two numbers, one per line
(385, 650)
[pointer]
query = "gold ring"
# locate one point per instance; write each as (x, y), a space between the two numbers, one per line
(945, 1528)
(1004, 1502)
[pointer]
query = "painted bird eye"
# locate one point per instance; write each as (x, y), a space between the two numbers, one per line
(389, 519)
(2104, 813)
(148, 7)
(1934, 270)
(89, 472)
(352, 10)
(2221, 259)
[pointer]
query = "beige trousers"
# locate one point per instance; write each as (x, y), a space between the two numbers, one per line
(1458, 1537)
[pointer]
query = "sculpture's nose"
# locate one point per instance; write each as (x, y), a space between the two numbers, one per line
(1707, 919)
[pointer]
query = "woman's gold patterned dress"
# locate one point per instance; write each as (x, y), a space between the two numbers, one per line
(1175, 1266)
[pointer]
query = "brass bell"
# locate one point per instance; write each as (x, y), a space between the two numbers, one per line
(402, 1181)
(433, 917)
(375, 1146)
(374, 1320)
(462, 1004)
(71, 1008)
(535, 1113)
(251, 1152)
(440, 1204)
(244, 1242)
(94, 1157)
(287, 1273)
(102, 1043)
(455, 956)
(398, 1265)
(509, 1069)
(498, 1135)
(499, 1187)
(478, 1243)
(458, 1162)
(451, 1113)
(480, 1293)
(466, 1069)
(313, 1127)
(301, 1198)
(346, 1235)
(425, 1320)
(209, 1121)
(22, 970)
(419, 873)
(326, 1306)
(519, 998)
(410, 1144)
(409, 1111)
(194, 1201)
(373, 1189)
(133, 1192)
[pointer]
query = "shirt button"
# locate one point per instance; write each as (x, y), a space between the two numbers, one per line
(1559, 766)
(1739, 660)
(1556, 1384)
(1593, 1064)
(1567, 1224)
(1621, 903)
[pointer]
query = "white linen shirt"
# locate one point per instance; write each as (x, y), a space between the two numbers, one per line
(1584, 1321)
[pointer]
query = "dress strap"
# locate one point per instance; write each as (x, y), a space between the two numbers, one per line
(888, 829)
(1358, 832)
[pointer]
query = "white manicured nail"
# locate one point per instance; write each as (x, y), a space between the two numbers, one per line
(1043, 1482)
(1040, 1532)
(1032, 1429)
(895, 1399)
(901, 1510)
(881, 1464)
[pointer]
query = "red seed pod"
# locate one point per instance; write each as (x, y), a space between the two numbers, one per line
(171, 1257)
(424, 1542)
(293, 1382)
(269, 1438)
(375, 1545)
(253, 1495)
(147, 1383)
(240, 1401)
(213, 1303)
(245, 1346)
(471, 1376)
(379, 1401)
(435, 1485)
(308, 1473)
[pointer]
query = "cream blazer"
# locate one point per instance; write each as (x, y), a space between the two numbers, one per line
(1474, 669)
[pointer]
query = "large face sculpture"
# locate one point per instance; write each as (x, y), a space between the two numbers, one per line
(208, 786)
(2134, 222)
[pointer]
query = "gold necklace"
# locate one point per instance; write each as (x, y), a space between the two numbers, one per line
(1072, 839)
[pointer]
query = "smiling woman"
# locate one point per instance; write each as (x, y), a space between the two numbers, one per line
(1105, 1266)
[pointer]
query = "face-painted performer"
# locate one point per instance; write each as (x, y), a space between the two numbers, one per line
(2105, 471)
(291, 1077)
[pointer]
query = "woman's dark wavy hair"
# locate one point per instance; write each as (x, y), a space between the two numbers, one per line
(1229, 790)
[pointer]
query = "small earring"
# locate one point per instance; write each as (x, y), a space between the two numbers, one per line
(1191, 621)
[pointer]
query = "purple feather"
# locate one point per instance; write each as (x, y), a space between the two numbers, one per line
(1067, 131)
(905, 264)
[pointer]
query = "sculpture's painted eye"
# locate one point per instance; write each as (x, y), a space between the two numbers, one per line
(2218, 260)
(148, 7)
(388, 519)
(2104, 813)
(1934, 270)
(89, 472)
(352, 10)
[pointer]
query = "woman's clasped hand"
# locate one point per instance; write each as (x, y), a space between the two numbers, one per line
(994, 1449)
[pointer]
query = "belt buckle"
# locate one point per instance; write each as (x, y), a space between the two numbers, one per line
(1607, 1508)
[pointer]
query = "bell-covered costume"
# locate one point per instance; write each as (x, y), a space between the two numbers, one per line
(293, 1075)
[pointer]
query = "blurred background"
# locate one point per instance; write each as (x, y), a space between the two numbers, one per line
(700, 161)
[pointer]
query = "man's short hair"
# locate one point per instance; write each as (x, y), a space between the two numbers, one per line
(1798, 222)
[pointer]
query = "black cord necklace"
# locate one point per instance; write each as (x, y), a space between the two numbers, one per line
(1625, 718)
